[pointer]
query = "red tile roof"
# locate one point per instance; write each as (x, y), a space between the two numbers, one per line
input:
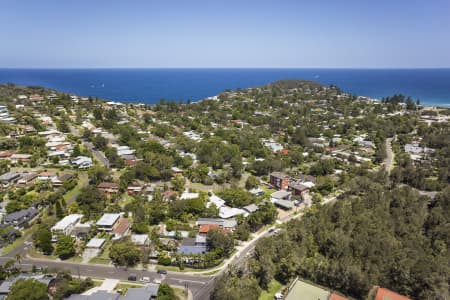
(385, 294)
(207, 227)
(122, 226)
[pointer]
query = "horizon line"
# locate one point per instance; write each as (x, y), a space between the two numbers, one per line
(221, 68)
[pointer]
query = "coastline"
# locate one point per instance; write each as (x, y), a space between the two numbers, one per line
(431, 86)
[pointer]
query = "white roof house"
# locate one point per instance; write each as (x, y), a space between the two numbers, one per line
(213, 199)
(186, 195)
(226, 212)
(140, 239)
(107, 221)
(66, 224)
(82, 162)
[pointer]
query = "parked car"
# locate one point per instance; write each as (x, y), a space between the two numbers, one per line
(145, 279)
(132, 277)
(164, 272)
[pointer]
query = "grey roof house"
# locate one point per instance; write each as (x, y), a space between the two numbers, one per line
(148, 292)
(21, 217)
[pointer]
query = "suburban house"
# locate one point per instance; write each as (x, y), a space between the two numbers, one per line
(47, 176)
(140, 239)
(6, 155)
(60, 180)
(82, 162)
(134, 189)
(65, 226)
(282, 199)
(9, 178)
(121, 228)
(109, 188)
(205, 228)
(95, 244)
(108, 222)
(251, 208)
(383, 293)
(226, 212)
(228, 224)
(186, 195)
(176, 171)
(18, 157)
(298, 188)
(148, 292)
(216, 200)
(279, 180)
(27, 178)
(193, 246)
(21, 218)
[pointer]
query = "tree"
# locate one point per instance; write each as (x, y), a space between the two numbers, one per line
(29, 289)
(65, 247)
(65, 285)
(43, 240)
(165, 292)
(232, 287)
(178, 183)
(220, 241)
(252, 182)
(58, 210)
(98, 174)
(124, 253)
(91, 201)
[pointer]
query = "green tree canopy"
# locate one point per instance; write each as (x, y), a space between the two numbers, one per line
(28, 289)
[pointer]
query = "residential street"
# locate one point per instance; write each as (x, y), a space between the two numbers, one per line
(389, 161)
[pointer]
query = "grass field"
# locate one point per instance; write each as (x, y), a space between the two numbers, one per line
(180, 293)
(274, 287)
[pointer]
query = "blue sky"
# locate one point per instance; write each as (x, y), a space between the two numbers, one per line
(229, 33)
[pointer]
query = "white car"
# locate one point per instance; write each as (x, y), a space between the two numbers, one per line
(145, 279)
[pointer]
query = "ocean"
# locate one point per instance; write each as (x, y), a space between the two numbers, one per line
(431, 86)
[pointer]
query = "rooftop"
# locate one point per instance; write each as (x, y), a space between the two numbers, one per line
(95, 243)
(122, 226)
(108, 220)
(66, 221)
(385, 294)
(280, 194)
(306, 291)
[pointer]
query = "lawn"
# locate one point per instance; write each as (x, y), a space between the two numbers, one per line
(267, 190)
(73, 193)
(99, 260)
(36, 254)
(103, 258)
(274, 287)
(19, 241)
(180, 293)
